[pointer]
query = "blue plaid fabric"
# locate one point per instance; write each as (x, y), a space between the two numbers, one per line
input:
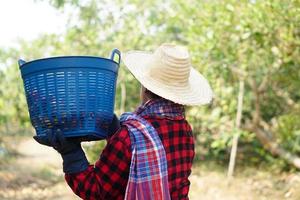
(148, 176)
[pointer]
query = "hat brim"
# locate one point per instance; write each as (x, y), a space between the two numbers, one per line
(196, 92)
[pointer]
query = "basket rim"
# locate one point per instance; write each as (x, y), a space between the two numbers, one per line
(61, 57)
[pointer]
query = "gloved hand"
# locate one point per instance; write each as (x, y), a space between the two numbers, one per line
(74, 159)
(114, 126)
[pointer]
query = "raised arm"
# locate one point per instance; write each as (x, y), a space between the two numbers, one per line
(108, 178)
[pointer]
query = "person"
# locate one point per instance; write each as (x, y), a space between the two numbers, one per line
(150, 155)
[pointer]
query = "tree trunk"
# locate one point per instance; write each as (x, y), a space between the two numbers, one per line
(258, 126)
(237, 126)
(123, 98)
(272, 146)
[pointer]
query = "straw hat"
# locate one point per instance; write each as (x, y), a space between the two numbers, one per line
(168, 73)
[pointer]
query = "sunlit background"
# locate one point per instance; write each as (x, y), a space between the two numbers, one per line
(27, 19)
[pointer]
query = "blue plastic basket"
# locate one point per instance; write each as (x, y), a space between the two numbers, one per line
(72, 93)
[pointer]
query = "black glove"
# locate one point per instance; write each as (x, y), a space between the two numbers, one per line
(74, 159)
(114, 126)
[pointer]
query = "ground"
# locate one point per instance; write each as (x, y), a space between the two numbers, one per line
(250, 184)
(36, 174)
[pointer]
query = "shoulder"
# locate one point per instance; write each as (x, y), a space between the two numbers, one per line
(122, 136)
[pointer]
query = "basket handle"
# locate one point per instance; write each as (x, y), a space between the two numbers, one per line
(21, 62)
(113, 53)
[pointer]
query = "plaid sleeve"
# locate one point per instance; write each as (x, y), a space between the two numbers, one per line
(109, 177)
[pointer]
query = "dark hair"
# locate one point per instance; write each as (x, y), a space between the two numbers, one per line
(151, 95)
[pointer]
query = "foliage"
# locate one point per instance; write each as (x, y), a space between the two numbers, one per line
(288, 131)
(12, 99)
(94, 149)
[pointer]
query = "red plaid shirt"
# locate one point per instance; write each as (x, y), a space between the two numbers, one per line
(108, 178)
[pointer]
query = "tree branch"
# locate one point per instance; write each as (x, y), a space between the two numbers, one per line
(263, 85)
(285, 95)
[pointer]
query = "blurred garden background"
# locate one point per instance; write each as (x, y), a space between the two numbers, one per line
(249, 50)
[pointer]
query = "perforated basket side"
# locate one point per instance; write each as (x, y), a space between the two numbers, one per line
(76, 101)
